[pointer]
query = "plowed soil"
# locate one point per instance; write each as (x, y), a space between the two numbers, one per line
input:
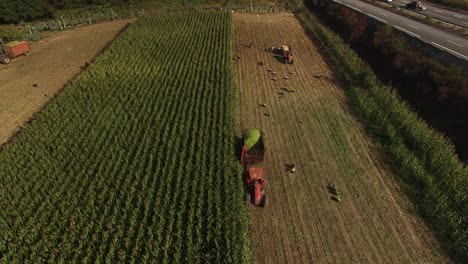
(28, 82)
(309, 125)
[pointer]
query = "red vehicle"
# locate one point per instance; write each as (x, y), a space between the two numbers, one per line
(283, 53)
(253, 154)
(288, 55)
(14, 49)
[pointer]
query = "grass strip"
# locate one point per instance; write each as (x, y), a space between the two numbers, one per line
(435, 179)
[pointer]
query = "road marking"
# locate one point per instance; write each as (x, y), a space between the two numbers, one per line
(458, 16)
(357, 9)
(447, 49)
(454, 43)
(338, 2)
(439, 16)
(382, 14)
(437, 10)
(378, 18)
(448, 18)
(412, 26)
(409, 32)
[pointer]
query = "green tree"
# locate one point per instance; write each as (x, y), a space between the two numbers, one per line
(14, 11)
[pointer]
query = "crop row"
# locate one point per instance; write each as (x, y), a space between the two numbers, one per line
(133, 162)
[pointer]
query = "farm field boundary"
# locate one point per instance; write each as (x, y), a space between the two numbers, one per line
(134, 161)
(434, 177)
(52, 64)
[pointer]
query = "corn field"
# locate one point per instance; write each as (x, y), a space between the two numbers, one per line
(134, 161)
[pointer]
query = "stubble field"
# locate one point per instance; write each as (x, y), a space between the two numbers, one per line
(310, 126)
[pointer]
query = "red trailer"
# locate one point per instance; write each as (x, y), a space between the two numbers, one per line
(14, 49)
(253, 154)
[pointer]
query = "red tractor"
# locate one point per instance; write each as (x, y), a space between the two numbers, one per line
(253, 154)
(283, 53)
(288, 55)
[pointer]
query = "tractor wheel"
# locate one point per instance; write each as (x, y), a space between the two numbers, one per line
(4, 59)
(265, 200)
(248, 199)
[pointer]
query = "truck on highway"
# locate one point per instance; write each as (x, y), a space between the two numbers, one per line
(416, 5)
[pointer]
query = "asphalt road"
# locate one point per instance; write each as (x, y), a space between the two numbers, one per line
(455, 18)
(453, 44)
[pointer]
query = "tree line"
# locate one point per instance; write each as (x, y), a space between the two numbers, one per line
(15, 11)
(459, 4)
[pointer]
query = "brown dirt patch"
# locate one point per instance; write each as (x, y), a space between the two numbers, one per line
(51, 64)
(312, 128)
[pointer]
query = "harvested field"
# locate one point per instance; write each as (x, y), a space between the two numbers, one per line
(308, 124)
(29, 82)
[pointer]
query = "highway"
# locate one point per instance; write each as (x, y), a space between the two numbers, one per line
(448, 42)
(455, 18)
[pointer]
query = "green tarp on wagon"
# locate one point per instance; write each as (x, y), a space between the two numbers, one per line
(251, 137)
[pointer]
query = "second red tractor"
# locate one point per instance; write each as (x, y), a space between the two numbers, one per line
(252, 157)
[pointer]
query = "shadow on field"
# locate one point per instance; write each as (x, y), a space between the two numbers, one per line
(238, 152)
(280, 59)
(238, 148)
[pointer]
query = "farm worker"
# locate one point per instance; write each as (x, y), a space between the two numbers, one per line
(292, 168)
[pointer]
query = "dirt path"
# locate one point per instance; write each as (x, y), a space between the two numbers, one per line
(312, 128)
(52, 62)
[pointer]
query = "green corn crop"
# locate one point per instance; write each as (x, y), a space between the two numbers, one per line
(133, 162)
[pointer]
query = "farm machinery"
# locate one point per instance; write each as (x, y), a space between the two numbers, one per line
(285, 53)
(253, 154)
(12, 50)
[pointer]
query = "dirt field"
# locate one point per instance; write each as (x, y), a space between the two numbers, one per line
(313, 129)
(52, 62)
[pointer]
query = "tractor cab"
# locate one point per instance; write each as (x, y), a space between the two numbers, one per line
(288, 55)
(4, 58)
(253, 154)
